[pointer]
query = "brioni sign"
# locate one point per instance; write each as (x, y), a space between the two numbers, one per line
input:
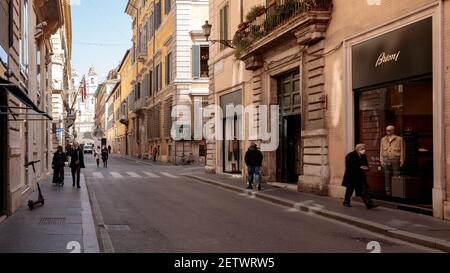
(385, 58)
(395, 56)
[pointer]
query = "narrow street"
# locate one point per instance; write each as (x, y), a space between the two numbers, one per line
(155, 209)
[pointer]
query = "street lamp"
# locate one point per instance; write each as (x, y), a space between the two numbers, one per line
(207, 33)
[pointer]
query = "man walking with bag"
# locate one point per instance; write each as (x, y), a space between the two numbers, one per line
(253, 160)
(355, 177)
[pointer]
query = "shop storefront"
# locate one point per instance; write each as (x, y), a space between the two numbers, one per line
(231, 148)
(392, 82)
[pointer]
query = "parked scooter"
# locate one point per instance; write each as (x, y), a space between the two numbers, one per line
(32, 204)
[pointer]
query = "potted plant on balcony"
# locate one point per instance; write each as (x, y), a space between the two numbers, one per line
(256, 31)
(242, 26)
(319, 5)
(241, 42)
(255, 12)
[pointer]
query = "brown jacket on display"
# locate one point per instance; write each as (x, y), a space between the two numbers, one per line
(392, 147)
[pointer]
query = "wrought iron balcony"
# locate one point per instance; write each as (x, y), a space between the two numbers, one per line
(277, 22)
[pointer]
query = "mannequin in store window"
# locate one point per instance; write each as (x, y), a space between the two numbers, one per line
(392, 156)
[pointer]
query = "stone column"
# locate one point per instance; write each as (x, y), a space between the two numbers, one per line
(316, 171)
(211, 159)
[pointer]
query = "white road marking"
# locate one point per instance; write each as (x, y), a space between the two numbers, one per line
(152, 175)
(116, 175)
(169, 175)
(97, 175)
(134, 174)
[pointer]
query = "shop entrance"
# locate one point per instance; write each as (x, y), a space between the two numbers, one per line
(408, 106)
(289, 152)
(232, 145)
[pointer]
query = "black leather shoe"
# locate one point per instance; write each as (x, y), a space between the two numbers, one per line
(259, 187)
(78, 187)
(372, 206)
(249, 187)
(347, 205)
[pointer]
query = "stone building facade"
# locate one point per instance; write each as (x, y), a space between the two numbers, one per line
(170, 72)
(26, 27)
(337, 82)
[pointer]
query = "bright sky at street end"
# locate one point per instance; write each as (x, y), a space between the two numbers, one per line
(101, 34)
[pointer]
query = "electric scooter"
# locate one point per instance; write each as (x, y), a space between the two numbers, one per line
(32, 204)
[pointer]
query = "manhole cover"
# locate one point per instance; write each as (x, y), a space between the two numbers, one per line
(117, 227)
(51, 221)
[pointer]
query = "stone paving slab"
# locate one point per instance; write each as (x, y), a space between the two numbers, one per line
(65, 217)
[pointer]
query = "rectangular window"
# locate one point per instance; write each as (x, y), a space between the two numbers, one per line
(150, 83)
(23, 50)
(151, 26)
(158, 78)
(158, 14)
(168, 118)
(200, 56)
(408, 107)
(4, 30)
(204, 57)
(202, 150)
(223, 25)
(133, 53)
(169, 69)
(167, 6)
(137, 91)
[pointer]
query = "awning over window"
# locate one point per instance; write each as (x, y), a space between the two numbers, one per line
(16, 91)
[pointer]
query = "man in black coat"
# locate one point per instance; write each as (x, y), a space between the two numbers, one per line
(76, 163)
(253, 160)
(58, 163)
(355, 177)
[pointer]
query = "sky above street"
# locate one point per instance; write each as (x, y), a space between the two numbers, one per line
(101, 34)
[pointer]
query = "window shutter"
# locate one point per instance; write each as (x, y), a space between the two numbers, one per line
(195, 61)
(158, 14)
(169, 68)
(4, 25)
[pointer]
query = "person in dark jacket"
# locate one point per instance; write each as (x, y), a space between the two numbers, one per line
(58, 163)
(253, 160)
(105, 156)
(355, 177)
(76, 163)
(109, 148)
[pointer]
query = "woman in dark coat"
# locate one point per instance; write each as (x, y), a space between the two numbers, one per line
(58, 163)
(355, 177)
(105, 156)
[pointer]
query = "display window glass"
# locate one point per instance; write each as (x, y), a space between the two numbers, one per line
(408, 107)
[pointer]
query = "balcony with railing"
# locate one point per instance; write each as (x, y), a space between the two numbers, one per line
(303, 20)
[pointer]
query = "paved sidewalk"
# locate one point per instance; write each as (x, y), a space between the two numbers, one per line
(415, 228)
(63, 225)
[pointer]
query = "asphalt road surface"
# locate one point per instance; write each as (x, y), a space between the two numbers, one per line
(142, 208)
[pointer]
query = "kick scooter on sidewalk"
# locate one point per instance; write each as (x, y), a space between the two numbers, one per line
(32, 204)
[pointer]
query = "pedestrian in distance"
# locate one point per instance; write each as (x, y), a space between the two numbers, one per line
(253, 160)
(154, 153)
(105, 156)
(109, 148)
(355, 177)
(58, 164)
(76, 163)
(98, 153)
